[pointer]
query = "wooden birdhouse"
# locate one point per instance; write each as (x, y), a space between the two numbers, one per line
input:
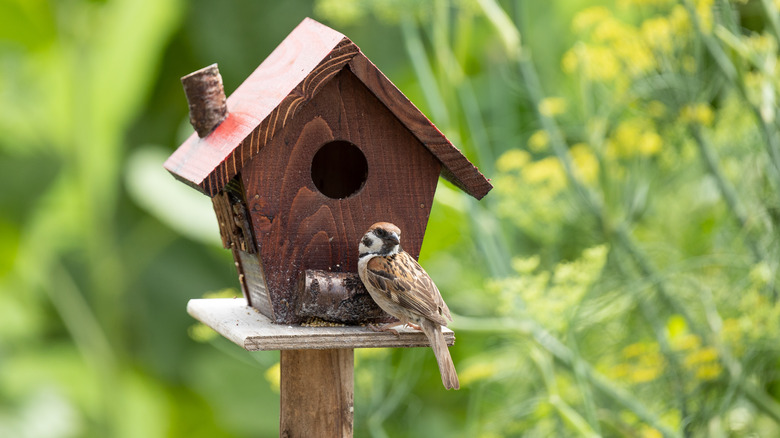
(309, 151)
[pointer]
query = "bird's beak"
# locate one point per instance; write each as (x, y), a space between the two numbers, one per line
(394, 238)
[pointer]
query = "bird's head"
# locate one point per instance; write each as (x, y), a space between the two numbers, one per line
(382, 239)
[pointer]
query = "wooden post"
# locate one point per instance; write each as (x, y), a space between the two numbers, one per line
(317, 363)
(316, 393)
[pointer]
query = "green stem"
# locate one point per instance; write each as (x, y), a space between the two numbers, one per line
(727, 190)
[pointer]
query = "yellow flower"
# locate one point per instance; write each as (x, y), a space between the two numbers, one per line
(636, 55)
(600, 63)
(552, 106)
(634, 137)
(658, 34)
(633, 3)
(704, 12)
(649, 432)
(763, 45)
(546, 171)
(676, 326)
(569, 61)
(701, 356)
(685, 342)
(709, 371)
(611, 31)
(222, 293)
(538, 141)
(649, 144)
(589, 17)
(477, 371)
(700, 114)
(274, 377)
(525, 265)
(586, 163)
(513, 159)
(644, 374)
(620, 371)
(680, 22)
(642, 352)
(200, 332)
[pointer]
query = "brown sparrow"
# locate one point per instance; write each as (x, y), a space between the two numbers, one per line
(401, 287)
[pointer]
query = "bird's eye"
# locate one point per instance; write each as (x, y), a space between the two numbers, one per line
(381, 232)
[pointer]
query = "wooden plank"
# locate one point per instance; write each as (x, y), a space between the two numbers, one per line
(317, 393)
(253, 331)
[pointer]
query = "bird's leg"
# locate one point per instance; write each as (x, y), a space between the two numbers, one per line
(386, 327)
(414, 326)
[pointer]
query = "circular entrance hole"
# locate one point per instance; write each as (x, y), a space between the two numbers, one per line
(339, 169)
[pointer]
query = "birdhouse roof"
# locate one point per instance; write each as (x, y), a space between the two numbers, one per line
(288, 78)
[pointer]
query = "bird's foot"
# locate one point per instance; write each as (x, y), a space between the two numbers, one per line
(385, 328)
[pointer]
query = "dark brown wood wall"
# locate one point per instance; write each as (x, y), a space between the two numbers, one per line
(299, 228)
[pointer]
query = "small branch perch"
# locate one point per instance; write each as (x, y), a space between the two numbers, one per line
(206, 98)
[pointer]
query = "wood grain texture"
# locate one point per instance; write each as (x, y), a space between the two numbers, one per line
(253, 331)
(456, 167)
(206, 99)
(338, 297)
(317, 393)
(299, 228)
(252, 280)
(233, 220)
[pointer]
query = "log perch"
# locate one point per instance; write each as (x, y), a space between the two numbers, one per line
(206, 99)
(337, 297)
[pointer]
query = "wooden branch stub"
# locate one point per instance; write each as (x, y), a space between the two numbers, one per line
(253, 331)
(206, 99)
(338, 297)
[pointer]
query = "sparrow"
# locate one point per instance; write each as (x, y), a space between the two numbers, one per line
(402, 288)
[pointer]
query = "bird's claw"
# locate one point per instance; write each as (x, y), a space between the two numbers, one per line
(384, 328)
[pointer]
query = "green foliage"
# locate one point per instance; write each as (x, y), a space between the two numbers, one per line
(620, 280)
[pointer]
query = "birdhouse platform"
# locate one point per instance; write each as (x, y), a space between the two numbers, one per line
(317, 363)
(253, 331)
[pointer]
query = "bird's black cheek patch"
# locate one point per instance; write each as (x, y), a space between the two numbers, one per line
(367, 241)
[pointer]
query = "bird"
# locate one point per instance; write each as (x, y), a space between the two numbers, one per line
(402, 288)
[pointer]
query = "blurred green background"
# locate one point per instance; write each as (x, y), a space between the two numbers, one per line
(620, 280)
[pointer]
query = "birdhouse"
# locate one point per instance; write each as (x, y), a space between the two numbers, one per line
(309, 151)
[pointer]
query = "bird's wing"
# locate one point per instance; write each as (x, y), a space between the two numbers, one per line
(406, 283)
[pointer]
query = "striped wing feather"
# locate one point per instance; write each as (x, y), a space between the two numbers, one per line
(406, 283)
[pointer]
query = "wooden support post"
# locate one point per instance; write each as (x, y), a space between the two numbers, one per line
(317, 363)
(316, 393)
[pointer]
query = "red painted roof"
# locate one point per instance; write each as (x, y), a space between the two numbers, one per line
(271, 95)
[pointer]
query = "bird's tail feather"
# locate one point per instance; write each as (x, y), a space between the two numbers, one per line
(449, 377)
